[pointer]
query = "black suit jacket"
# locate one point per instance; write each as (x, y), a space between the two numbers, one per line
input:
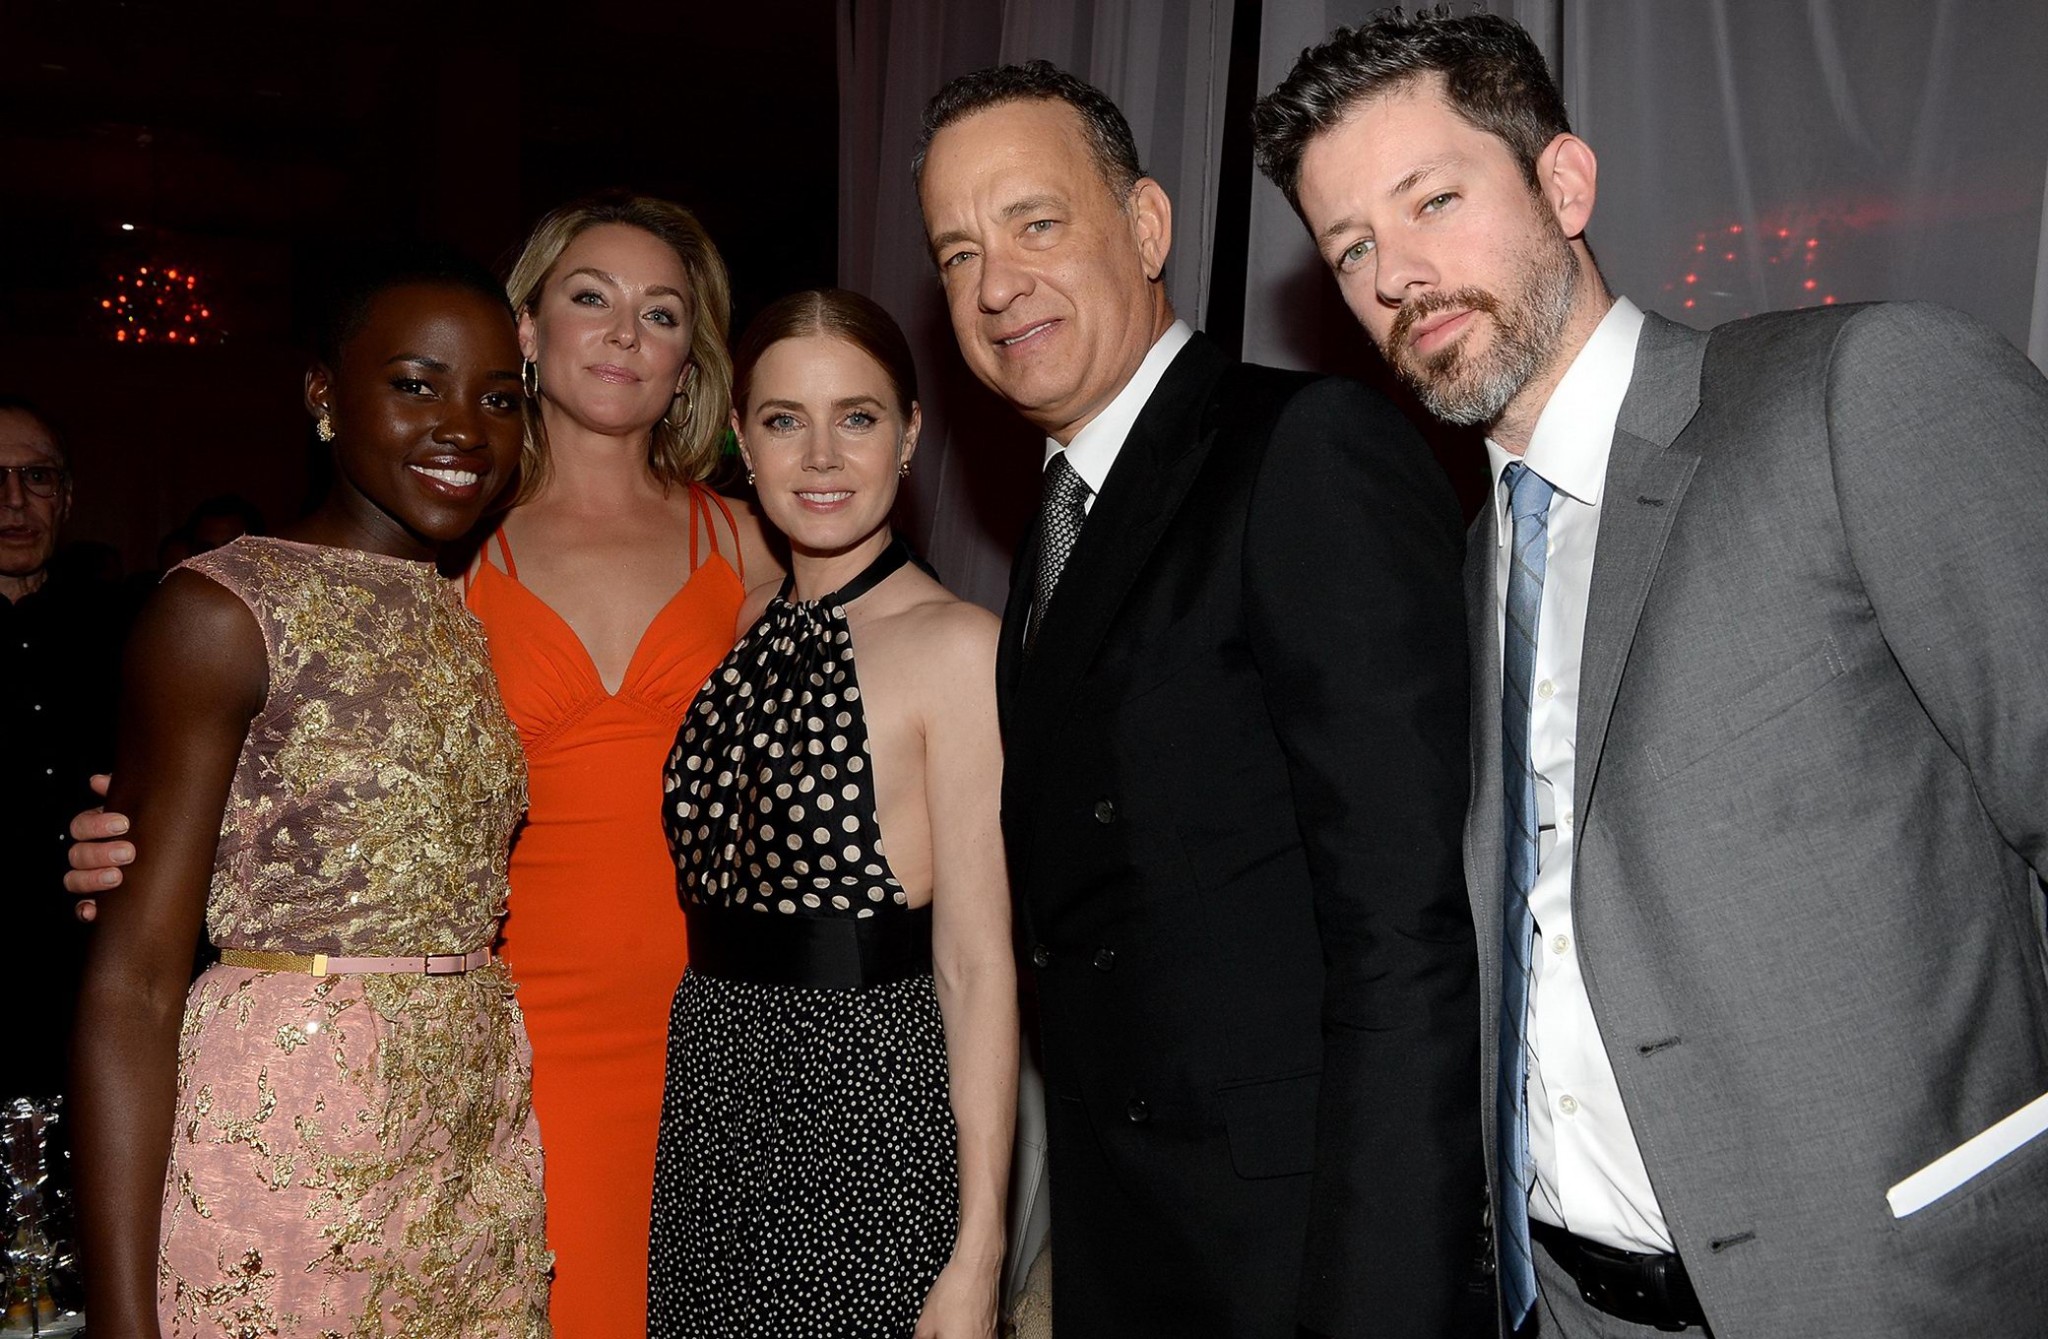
(1234, 785)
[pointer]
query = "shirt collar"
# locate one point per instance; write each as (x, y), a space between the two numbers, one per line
(1575, 432)
(1094, 448)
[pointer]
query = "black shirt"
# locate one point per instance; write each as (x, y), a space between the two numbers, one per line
(60, 650)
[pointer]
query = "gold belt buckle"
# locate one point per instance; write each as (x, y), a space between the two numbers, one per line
(319, 964)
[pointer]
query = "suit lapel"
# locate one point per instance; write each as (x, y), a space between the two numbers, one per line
(1153, 470)
(1016, 612)
(1648, 472)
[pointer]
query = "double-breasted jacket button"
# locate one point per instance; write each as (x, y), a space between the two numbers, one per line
(1138, 1111)
(1105, 958)
(1105, 811)
(1041, 956)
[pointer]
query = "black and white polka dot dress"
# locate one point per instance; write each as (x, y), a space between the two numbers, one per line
(805, 1180)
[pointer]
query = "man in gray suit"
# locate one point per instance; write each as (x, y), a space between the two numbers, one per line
(1760, 737)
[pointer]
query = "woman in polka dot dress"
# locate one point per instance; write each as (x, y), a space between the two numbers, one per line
(835, 1134)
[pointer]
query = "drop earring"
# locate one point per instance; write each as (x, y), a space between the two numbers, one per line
(323, 427)
(903, 470)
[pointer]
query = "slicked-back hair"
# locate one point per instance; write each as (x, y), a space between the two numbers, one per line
(840, 313)
(352, 282)
(1109, 135)
(1493, 77)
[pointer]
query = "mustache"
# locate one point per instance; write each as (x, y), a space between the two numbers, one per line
(1418, 309)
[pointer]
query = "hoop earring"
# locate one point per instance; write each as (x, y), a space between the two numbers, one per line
(529, 378)
(323, 427)
(683, 394)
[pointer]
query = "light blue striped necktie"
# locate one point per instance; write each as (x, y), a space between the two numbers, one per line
(1529, 504)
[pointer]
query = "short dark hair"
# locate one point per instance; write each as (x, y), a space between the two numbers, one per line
(19, 404)
(1109, 135)
(353, 282)
(841, 313)
(1493, 75)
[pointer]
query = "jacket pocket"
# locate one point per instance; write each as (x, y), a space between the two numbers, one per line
(1272, 1125)
(1696, 735)
(1970, 1159)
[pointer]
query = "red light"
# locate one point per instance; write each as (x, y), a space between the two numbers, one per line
(142, 333)
(1828, 301)
(1701, 247)
(1735, 227)
(1784, 232)
(106, 305)
(1688, 302)
(1692, 278)
(1729, 256)
(1810, 285)
(204, 312)
(1812, 242)
(171, 273)
(189, 281)
(120, 336)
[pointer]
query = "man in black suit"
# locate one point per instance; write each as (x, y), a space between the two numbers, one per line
(1232, 681)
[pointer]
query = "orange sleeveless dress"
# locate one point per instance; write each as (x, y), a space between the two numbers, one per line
(594, 934)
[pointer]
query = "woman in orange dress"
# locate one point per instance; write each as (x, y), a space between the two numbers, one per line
(608, 594)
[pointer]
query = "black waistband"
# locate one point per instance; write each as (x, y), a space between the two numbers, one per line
(773, 948)
(1643, 1289)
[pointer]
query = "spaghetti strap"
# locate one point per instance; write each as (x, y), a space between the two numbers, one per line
(709, 500)
(504, 551)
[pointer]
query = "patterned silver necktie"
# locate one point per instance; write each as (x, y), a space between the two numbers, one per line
(1062, 507)
(1529, 496)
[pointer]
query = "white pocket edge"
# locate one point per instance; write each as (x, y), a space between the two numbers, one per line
(1968, 1159)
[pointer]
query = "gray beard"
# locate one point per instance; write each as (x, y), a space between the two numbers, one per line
(1477, 390)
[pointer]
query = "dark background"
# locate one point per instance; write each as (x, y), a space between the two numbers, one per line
(246, 143)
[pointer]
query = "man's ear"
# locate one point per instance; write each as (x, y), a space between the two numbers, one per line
(1567, 177)
(1152, 224)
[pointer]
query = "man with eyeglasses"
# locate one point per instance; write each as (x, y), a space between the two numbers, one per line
(53, 733)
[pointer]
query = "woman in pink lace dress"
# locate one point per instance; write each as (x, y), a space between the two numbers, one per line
(332, 1134)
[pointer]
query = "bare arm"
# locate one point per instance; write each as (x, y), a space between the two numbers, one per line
(973, 963)
(194, 675)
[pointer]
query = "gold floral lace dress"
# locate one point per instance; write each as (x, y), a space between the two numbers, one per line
(356, 1155)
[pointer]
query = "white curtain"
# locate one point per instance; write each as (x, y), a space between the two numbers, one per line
(1755, 155)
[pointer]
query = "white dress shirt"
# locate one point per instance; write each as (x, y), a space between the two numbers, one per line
(1095, 447)
(1589, 1172)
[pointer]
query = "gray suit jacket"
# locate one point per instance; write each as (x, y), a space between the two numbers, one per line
(1812, 811)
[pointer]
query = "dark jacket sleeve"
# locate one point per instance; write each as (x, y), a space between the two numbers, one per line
(1352, 564)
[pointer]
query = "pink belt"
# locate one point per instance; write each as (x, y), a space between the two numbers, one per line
(322, 964)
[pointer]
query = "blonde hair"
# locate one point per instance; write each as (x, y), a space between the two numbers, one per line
(685, 444)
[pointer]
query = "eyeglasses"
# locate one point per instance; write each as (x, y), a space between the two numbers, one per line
(42, 480)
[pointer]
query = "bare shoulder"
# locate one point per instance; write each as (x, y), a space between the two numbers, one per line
(208, 632)
(949, 633)
(756, 604)
(758, 555)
